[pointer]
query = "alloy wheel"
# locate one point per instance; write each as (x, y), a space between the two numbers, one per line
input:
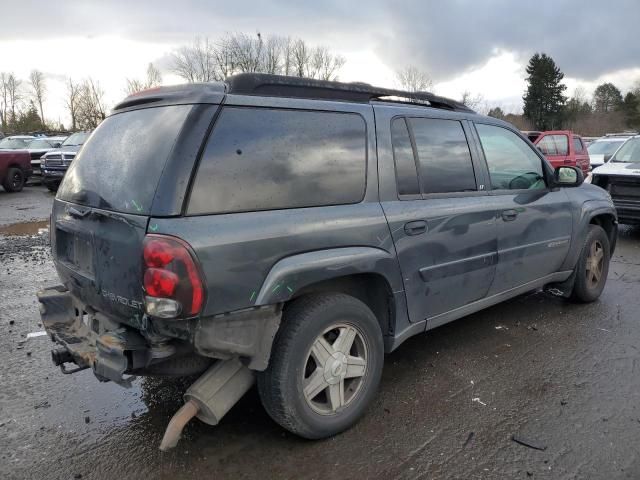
(335, 367)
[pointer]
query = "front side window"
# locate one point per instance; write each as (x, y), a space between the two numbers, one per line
(554, 145)
(267, 159)
(444, 158)
(512, 164)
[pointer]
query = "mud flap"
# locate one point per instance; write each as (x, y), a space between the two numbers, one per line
(248, 333)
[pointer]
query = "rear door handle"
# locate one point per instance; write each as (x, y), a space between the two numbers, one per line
(509, 215)
(415, 228)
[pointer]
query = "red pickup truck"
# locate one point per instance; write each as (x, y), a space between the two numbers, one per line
(15, 169)
(563, 147)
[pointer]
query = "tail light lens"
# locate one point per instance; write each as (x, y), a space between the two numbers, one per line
(172, 281)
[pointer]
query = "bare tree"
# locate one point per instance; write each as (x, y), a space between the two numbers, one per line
(324, 64)
(206, 61)
(273, 51)
(412, 79)
(38, 90)
(246, 51)
(91, 109)
(154, 78)
(14, 95)
(301, 56)
(470, 100)
(4, 99)
(196, 62)
(71, 101)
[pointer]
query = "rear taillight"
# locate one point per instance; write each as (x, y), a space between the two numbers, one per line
(172, 282)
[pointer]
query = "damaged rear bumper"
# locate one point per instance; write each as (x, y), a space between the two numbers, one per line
(90, 339)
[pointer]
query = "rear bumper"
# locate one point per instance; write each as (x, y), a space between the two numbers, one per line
(90, 339)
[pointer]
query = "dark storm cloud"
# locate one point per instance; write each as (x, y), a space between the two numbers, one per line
(586, 39)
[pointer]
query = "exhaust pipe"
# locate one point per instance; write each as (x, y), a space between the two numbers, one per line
(210, 398)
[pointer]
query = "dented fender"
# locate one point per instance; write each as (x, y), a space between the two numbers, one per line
(293, 273)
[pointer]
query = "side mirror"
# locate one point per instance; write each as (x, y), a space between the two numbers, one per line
(568, 177)
(607, 157)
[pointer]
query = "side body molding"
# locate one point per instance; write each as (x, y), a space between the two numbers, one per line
(293, 273)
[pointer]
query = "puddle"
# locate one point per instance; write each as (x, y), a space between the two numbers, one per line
(21, 229)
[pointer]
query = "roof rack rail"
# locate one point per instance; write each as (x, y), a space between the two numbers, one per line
(298, 87)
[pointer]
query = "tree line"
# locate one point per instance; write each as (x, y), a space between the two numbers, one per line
(546, 107)
(204, 60)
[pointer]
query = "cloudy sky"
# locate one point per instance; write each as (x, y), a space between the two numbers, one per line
(477, 46)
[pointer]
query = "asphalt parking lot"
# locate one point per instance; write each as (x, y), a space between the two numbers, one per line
(562, 378)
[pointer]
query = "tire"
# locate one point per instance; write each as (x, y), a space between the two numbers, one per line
(52, 186)
(592, 265)
(14, 181)
(294, 363)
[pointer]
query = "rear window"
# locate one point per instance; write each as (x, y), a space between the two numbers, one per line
(266, 159)
(119, 167)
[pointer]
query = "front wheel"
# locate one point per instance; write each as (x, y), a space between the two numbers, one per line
(593, 266)
(325, 365)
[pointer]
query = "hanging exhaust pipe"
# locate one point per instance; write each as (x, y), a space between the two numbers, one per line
(210, 398)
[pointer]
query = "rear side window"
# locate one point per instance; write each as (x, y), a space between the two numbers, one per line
(119, 167)
(265, 159)
(406, 173)
(554, 145)
(443, 156)
(577, 145)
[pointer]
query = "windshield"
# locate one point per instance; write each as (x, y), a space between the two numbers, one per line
(40, 143)
(14, 143)
(605, 147)
(119, 167)
(75, 140)
(629, 152)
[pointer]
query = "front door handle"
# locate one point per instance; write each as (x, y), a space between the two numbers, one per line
(415, 228)
(509, 215)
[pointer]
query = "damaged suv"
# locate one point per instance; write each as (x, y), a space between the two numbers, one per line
(292, 231)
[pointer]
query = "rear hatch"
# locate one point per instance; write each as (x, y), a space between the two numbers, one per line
(102, 208)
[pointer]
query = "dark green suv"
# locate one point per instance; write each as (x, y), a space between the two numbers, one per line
(293, 231)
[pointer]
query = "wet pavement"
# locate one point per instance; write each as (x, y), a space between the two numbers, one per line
(560, 377)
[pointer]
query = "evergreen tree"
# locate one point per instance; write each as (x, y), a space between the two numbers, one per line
(631, 109)
(544, 100)
(496, 112)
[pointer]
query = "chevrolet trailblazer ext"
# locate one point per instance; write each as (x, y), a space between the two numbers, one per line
(292, 231)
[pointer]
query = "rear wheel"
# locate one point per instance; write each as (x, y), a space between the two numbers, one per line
(325, 366)
(593, 266)
(14, 182)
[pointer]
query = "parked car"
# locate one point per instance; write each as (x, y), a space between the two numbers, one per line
(313, 228)
(15, 142)
(563, 147)
(39, 146)
(621, 178)
(601, 150)
(56, 162)
(589, 140)
(15, 169)
(532, 135)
